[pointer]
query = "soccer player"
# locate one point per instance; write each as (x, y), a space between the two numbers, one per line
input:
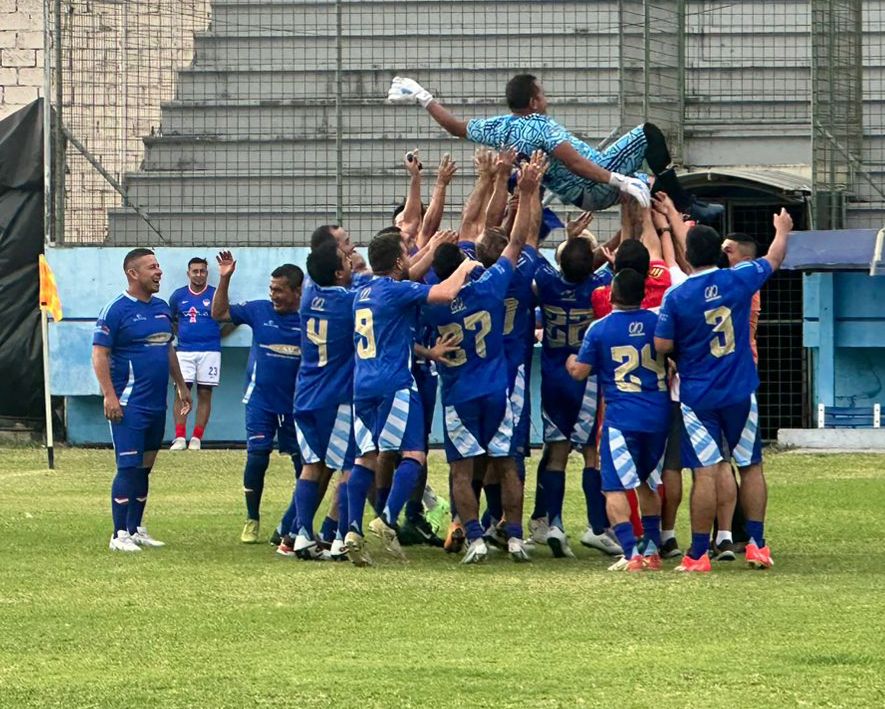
(270, 379)
(475, 397)
(199, 349)
(632, 377)
(568, 407)
(705, 321)
(579, 174)
(739, 247)
(387, 408)
(133, 356)
(324, 393)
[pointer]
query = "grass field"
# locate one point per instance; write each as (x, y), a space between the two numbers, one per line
(208, 622)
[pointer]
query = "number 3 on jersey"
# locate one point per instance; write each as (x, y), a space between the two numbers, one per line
(720, 318)
(365, 328)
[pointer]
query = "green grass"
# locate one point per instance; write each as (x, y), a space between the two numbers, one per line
(208, 622)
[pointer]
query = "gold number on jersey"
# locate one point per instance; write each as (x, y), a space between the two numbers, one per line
(511, 305)
(457, 357)
(318, 334)
(482, 323)
(723, 342)
(364, 325)
(630, 359)
(566, 327)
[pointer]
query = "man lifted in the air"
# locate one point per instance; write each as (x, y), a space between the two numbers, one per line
(578, 173)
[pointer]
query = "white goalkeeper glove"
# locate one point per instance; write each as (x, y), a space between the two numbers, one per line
(632, 186)
(404, 90)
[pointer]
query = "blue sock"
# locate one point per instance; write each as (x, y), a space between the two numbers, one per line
(651, 531)
(381, 495)
(327, 530)
(540, 509)
(700, 544)
(591, 481)
(520, 468)
(361, 479)
(513, 529)
(138, 501)
(289, 522)
(554, 492)
(473, 530)
(253, 481)
(121, 495)
(494, 507)
(342, 511)
(307, 498)
(626, 538)
(755, 532)
(404, 480)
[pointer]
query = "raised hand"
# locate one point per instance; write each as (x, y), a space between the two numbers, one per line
(412, 162)
(632, 186)
(577, 225)
(226, 264)
(405, 90)
(505, 159)
(783, 222)
(484, 161)
(447, 170)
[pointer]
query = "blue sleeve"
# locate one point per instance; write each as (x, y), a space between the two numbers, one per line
(553, 135)
(172, 300)
(666, 327)
(241, 313)
(528, 261)
(587, 353)
(410, 292)
(604, 275)
(106, 327)
(752, 274)
(496, 280)
(544, 272)
(485, 131)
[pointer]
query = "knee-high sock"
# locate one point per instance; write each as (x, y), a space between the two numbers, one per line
(122, 493)
(288, 524)
(138, 501)
(415, 505)
(540, 509)
(591, 481)
(651, 532)
(307, 495)
(554, 493)
(253, 481)
(361, 479)
(380, 502)
(404, 480)
(342, 511)
(624, 532)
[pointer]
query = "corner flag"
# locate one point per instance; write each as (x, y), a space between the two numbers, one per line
(49, 290)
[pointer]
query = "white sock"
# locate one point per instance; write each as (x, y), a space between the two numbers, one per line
(722, 536)
(667, 534)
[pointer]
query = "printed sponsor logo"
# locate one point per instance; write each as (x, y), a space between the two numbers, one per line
(636, 328)
(318, 304)
(711, 293)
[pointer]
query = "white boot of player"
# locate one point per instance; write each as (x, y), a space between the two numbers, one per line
(179, 444)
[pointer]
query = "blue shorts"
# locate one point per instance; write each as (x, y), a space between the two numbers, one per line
(394, 422)
(138, 433)
(710, 435)
(427, 381)
(625, 156)
(478, 427)
(568, 409)
(262, 426)
(521, 409)
(326, 436)
(630, 458)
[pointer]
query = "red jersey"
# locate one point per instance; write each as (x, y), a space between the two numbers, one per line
(656, 285)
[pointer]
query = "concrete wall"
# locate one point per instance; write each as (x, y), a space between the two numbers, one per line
(21, 54)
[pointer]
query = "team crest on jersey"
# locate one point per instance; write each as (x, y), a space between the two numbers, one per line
(318, 304)
(711, 293)
(636, 328)
(458, 306)
(207, 303)
(285, 350)
(656, 272)
(568, 295)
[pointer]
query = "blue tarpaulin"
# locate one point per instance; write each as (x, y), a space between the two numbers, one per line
(831, 250)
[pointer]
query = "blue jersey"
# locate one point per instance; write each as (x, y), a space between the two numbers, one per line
(620, 350)
(274, 357)
(519, 321)
(197, 331)
(476, 317)
(708, 318)
(138, 334)
(536, 132)
(385, 317)
(358, 280)
(566, 314)
(326, 375)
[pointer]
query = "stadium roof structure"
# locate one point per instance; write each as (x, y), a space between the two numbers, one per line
(783, 185)
(837, 250)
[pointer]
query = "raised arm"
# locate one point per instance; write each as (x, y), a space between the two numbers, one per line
(445, 292)
(411, 216)
(783, 225)
(472, 215)
(405, 90)
(220, 309)
(423, 260)
(678, 228)
(498, 203)
(588, 169)
(528, 184)
(650, 238)
(434, 213)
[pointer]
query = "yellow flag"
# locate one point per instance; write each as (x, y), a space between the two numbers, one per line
(49, 290)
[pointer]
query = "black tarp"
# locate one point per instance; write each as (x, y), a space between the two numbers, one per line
(21, 242)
